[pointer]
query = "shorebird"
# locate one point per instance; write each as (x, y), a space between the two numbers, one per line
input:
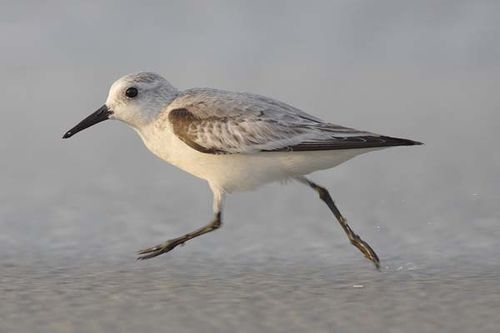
(235, 141)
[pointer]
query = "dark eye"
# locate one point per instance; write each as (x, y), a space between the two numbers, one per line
(131, 92)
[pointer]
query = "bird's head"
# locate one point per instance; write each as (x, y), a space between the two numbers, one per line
(134, 99)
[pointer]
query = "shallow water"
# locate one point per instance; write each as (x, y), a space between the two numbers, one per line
(73, 213)
(294, 273)
(196, 292)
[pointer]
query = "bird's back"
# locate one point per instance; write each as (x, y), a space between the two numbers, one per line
(224, 122)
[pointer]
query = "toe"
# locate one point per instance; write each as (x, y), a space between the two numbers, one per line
(158, 249)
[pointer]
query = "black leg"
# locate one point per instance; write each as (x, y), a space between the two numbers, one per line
(354, 238)
(172, 243)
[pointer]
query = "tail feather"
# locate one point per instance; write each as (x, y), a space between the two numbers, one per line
(351, 142)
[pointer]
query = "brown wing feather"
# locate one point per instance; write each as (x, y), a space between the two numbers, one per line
(181, 120)
(217, 135)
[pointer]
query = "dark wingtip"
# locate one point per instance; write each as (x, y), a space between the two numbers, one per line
(415, 143)
(401, 142)
(67, 135)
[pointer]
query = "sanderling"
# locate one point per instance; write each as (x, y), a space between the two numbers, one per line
(235, 141)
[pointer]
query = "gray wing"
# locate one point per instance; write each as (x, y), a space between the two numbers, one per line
(222, 122)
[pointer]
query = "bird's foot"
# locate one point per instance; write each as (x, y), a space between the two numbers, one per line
(160, 248)
(366, 250)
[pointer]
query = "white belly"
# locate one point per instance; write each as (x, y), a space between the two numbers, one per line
(241, 172)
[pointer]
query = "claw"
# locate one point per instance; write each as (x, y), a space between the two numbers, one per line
(367, 251)
(149, 250)
(158, 249)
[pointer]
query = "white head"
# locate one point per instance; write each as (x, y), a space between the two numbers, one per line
(135, 99)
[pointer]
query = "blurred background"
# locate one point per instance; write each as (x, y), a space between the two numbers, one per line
(73, 212)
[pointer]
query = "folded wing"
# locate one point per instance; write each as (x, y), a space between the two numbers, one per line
(220, 122)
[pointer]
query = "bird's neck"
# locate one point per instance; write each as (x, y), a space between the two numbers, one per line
(156, 135)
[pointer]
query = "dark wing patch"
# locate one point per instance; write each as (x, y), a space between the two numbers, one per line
(182, 120)
(352, 142)
(256, 133)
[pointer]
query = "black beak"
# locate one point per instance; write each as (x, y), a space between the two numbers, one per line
(100, 115)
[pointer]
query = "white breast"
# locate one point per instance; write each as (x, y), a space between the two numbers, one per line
(240, 172)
